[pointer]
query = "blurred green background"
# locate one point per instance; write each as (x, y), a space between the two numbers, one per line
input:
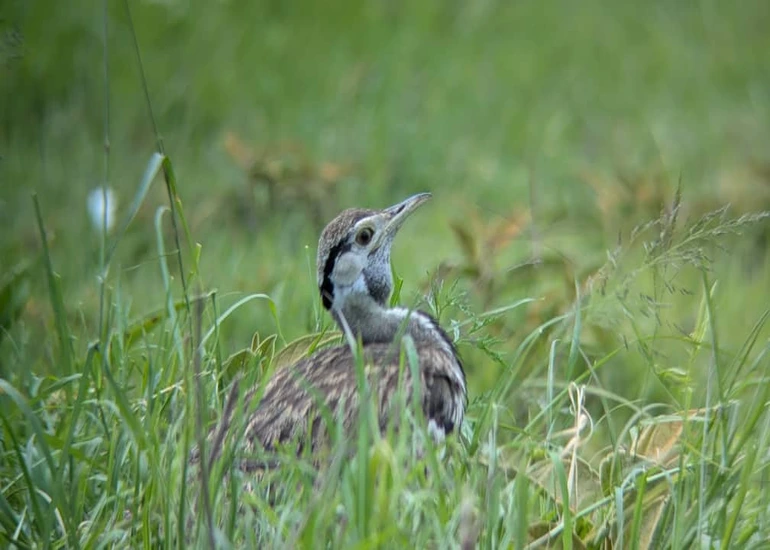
(546, 130)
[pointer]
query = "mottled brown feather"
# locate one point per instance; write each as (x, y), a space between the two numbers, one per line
(289, 405)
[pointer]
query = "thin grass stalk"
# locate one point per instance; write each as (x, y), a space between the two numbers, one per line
(57, 302)
(201, 439)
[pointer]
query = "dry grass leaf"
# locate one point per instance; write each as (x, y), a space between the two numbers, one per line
(617, 196)
(651, 517)
(540, 535)
(746, 188)
(469, 245)
(501, 234)
(587, 485)
(481, 241)
(330, 172)
(608, 194)
(657, 440)
(286, 176)
(241, 152)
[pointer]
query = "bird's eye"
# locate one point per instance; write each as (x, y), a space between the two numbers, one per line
(364, 236)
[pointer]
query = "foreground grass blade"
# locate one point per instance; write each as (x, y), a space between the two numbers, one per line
(150, 173)
(57, 302)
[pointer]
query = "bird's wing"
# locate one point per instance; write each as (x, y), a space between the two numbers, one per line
(295, 400)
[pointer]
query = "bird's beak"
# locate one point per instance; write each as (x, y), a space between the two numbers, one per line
(396, 215)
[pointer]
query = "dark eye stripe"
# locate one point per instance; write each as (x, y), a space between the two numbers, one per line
(327, 287)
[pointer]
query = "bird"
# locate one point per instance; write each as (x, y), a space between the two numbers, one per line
(355, 283)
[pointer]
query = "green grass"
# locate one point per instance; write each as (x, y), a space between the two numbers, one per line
(610, 307)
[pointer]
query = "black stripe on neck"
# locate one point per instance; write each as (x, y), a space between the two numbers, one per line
(327, 287)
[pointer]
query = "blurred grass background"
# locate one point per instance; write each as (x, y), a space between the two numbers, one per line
(547, 131)
(557, 126)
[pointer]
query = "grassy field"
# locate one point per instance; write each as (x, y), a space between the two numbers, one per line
(596, 245)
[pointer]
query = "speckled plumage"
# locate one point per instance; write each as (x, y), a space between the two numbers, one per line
(355, 282)
(287, 411)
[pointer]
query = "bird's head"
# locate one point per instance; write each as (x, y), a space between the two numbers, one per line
(354, 254)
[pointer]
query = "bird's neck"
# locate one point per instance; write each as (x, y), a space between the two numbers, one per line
(376, 324)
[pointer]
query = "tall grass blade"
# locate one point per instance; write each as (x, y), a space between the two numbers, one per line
(150, 173)
(57, 302)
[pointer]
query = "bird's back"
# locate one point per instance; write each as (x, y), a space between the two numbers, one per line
(292, 405)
